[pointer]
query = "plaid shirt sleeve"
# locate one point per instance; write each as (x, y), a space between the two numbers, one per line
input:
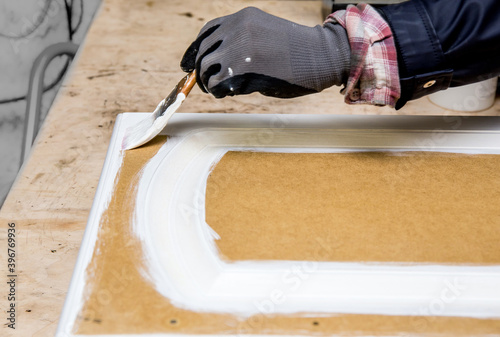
(374, 75)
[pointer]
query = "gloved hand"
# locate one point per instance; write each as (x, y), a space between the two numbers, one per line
(252, 51)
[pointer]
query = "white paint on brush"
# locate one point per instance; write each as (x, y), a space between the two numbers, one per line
(184, 263)
(151, 126)
(248, 59)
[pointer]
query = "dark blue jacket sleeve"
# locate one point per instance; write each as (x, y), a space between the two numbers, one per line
(443, 43)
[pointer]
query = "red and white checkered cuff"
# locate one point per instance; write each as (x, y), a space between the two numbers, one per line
(374, 73)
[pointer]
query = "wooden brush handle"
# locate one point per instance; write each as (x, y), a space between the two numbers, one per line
(189, 84)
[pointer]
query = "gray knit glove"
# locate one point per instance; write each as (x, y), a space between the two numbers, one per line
(254, 51)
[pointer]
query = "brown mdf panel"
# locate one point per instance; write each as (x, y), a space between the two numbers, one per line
(409, 207)
(119, 299)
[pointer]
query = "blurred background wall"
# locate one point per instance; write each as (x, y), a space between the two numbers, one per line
(27, 27)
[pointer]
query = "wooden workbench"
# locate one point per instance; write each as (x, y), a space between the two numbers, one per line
(128, 62)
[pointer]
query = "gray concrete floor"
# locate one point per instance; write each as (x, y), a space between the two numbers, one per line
(11, 129)
(11, 137)
(26, 29)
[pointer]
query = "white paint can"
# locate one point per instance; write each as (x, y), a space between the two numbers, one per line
(468, 98)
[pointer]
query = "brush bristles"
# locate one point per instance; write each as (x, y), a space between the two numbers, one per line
(137, 135)
(152, 125)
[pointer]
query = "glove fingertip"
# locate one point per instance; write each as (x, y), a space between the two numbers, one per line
(188, 60)
(222, 90)
(220, 94)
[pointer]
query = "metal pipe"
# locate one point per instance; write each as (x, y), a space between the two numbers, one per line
(35, 92)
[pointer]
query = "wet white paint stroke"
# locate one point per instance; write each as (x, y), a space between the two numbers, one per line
(104, 193)
(151, 125)
(362, 133)
(184, 264)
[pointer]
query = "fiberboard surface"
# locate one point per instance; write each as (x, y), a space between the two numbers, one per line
(114, 291)
(408, 207)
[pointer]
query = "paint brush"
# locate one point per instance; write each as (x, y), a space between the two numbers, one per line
(149, 127)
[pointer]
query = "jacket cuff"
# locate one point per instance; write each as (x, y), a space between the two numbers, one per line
(422, 67)
(373, 77)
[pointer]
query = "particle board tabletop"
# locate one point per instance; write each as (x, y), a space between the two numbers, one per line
(128, 62)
